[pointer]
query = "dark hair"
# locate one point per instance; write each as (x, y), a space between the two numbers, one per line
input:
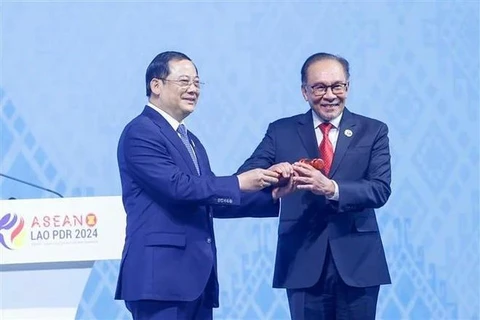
(159, 67)
(324, 56)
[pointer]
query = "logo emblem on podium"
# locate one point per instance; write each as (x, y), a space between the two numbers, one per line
(91, 219)
(12, 232)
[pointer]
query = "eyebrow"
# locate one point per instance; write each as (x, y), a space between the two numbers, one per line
(186, 76)
(324, 84)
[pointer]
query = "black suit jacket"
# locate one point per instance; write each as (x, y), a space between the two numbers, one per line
(309, 222)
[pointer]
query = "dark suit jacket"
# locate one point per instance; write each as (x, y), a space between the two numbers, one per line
(308, 222)
(169, 250)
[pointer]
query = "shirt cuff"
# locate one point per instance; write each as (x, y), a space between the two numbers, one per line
(335, 195)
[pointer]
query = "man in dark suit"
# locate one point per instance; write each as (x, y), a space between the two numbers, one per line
(330, 256)
(170, 195)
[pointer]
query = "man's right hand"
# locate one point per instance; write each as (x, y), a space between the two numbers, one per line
(284, 169)
(257, 179)
(286, 184)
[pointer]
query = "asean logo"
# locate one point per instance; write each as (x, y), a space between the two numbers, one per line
(12, 232)
(91, 219)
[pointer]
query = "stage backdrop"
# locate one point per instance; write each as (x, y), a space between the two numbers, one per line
(72, 75)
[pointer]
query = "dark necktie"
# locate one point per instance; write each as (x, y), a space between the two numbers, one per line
(183, 135)
(326, 147)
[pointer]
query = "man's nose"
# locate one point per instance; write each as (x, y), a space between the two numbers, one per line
(329, 94)
(192, 88)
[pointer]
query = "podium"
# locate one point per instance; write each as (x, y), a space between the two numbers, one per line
(48, 248)
(61, 230)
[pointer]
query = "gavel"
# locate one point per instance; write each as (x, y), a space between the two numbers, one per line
(317, 163)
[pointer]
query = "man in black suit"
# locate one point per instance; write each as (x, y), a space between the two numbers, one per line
(330, 256)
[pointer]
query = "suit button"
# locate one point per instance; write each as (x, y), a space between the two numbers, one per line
(209, 240)
(211, 214)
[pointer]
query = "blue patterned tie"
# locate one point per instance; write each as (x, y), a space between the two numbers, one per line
(183, 135)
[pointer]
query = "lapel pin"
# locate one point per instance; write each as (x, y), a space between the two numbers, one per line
(348, 133)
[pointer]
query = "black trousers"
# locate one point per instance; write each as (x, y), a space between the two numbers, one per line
(331, 299)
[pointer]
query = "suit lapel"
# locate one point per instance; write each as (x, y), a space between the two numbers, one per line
(343, 141)
(307, 134)
(171, 135)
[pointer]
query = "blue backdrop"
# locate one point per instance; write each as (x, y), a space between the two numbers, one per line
(72, 75)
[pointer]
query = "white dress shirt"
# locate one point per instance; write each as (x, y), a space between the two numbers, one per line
(174, 123)
(332, 136)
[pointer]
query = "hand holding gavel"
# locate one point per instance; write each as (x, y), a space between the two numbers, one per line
(317, 163)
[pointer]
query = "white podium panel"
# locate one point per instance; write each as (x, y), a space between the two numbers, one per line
(61, 230)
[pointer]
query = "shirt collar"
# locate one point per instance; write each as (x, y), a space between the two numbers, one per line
(174, 123)
(317, 120)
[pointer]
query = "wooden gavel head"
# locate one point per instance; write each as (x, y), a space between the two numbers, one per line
(317, 163)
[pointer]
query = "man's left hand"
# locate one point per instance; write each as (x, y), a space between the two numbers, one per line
(312, 180)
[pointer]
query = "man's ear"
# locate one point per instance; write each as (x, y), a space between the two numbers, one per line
(304, 92)
(155, 86)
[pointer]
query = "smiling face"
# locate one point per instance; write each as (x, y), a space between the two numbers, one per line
(178, 93)
(326, 88)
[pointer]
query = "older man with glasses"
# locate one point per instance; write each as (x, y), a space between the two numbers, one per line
(330, 256)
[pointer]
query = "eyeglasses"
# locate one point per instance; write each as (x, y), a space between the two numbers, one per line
(320, 89)
(185, 83)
